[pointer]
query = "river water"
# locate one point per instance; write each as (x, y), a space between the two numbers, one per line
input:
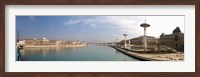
(86, 53)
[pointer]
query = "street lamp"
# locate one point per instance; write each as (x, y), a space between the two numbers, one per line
(125, 39)
(145, 25)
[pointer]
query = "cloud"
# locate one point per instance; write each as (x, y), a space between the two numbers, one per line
(130, 24)
(86, 20)
(92, 25)
(73, 21)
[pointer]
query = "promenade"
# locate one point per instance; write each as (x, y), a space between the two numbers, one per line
(152, 56)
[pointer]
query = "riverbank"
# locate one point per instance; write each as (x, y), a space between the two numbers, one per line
(152, 56)
(41, 46)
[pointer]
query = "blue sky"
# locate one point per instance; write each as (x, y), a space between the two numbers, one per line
(94, 28)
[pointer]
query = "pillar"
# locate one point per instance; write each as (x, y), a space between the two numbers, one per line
(145, 41)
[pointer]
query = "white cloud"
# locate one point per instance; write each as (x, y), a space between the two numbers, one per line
(126, 23)
(92, 25)
(73, 21)
(131, 24)
(164, 24)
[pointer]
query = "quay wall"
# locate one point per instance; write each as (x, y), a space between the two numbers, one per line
(135, 55)
(36, 46)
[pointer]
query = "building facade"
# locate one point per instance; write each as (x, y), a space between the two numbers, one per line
(174, 40)
(45, 41)
(139, 40)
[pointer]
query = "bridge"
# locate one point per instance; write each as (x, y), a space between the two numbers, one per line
(101, 44)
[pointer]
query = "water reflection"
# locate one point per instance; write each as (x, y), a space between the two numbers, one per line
(87, 53)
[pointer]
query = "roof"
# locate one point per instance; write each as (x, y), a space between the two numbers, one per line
(177, 30)
(163, 34)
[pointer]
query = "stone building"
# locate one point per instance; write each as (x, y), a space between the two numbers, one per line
(122, 42)
(139, 40)
(43, 41)
(174, 40)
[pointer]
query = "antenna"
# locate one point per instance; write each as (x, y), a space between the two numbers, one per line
(17, 35)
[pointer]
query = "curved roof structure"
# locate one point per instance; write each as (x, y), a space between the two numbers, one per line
(144, 25)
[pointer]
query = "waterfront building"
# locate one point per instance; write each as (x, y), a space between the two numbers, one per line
(68, 43)
(20, 45)
(122, 42)
(76, 43)
(21, 42)
(140, 41)
(45, 41)
(174, 40)
(31, 42)
(52, 42)
(58, 42)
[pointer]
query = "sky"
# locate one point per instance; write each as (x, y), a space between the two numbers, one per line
(94, 28)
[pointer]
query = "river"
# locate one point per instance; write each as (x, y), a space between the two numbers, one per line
(85, 53)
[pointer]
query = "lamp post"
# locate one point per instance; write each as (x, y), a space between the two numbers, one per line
(116, 42)
(125, 39)
(145, 25)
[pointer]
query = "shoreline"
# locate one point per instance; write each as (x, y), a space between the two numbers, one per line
(46, 46)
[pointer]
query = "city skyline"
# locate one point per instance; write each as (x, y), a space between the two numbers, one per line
(94, 28)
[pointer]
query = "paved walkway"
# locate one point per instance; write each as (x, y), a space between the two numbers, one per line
(160, 56)
(154, 56)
